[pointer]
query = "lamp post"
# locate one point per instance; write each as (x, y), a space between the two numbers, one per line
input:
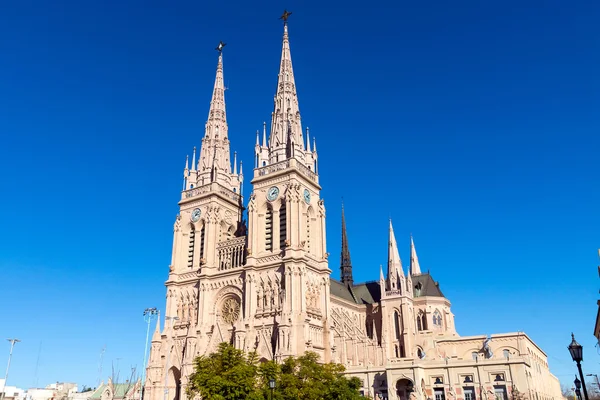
(149, 315)
(577, 383)
(12, 345)
(272, 386)
(576, 351)
(168, 355)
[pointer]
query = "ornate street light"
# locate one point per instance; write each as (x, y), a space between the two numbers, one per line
(577, 383)
(272, 386)
(576, 351)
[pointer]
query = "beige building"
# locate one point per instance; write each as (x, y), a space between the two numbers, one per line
(265, 285)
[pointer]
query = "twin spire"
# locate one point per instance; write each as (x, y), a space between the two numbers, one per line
(286, 139)
(214, 161)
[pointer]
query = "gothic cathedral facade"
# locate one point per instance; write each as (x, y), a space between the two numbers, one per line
(264, 284)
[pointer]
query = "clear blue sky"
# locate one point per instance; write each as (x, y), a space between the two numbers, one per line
(473, 124)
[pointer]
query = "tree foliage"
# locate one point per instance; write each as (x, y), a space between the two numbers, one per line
(229, 374)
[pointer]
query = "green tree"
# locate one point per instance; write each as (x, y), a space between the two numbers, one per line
(305, 378)
(229, 374)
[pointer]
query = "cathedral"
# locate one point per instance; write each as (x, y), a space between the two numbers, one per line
(258, 275)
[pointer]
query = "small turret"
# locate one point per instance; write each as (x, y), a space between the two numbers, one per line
(415, 268)
(395, 272)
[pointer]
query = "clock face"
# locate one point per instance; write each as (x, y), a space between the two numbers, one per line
(306, 196)
(272, 193)
(196, 215)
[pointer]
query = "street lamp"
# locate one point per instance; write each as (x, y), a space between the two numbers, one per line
(577, 383)
(12, 345)
(149, 315)
(272, 386)
(576, 351)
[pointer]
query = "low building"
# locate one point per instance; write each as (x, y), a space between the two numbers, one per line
(11, 392)
(117, 391)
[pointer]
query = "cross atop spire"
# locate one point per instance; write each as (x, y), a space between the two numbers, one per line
(285, 16)
(345, 263)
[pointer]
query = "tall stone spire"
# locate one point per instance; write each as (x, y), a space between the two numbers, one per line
(415, 268)
(286, 139)
(345, 263)
(395, 272)
(214, 162)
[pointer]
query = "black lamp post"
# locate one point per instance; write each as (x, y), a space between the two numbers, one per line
(272, 386)
(576, 351)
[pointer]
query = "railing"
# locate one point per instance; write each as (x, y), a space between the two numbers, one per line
(211, 187)
(232, 253)
(289, 163)
(269, 169)
(393, 292)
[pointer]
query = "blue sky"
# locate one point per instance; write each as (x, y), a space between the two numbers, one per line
(474, 125)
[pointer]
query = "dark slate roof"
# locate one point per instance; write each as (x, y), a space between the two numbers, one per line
(428, 286)
(370, 292)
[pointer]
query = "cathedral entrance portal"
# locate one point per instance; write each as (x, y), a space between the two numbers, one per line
(174, 384)
(404, 388)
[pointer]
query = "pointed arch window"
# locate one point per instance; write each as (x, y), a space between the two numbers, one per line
(397, 324)
(437, 319)
(308, 229)
(282, 225)
(269, 229)
(421, 321)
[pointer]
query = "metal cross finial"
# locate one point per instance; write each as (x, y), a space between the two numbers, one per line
(285, 16)
(219, 48)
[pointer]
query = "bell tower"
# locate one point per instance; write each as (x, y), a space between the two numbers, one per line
(286, 231)
(208, 246)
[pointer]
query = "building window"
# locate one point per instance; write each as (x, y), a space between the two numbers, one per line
(420, 353)
(397, 324)
(202, 232)
(499, 378)
(421, 321)
(468, 379)
(506, 353)
(282, 225)
(438, 380)
(469, 393)
(439, 394)
(191, 247)
(500, 392)
(475, 355)
(308, 231)
(437, 319)
(269, 229)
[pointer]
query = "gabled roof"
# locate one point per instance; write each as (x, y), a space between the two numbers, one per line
(120, 390)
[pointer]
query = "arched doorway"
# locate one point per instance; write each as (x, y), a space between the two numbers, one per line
(174, 384)
(404, 387)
